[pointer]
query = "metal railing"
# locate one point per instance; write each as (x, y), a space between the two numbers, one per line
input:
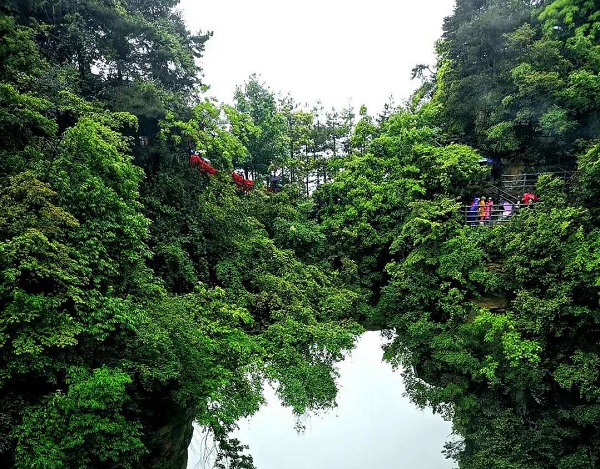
(500, 194)
(517, 184)
(493, 215)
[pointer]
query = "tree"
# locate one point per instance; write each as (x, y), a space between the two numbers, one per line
(268, 147)
(124, 41)
(520, 86)
(126, 316)
(364, 131)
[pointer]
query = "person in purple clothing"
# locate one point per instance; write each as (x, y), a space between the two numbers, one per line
(508, 208)
(473, 210)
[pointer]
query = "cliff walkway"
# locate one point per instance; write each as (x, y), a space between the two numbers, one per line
(513, 194)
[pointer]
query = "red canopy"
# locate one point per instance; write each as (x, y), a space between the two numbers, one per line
(241, 182)
(202, 165)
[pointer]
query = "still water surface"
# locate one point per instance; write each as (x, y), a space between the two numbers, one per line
(373, 426)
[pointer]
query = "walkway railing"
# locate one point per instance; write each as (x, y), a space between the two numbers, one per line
(496, 215)
(500, 194)
(518, 184)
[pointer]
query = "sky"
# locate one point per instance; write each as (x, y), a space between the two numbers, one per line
(340, 52)
(374, 425)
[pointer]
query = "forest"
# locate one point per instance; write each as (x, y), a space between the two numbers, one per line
(140, 293)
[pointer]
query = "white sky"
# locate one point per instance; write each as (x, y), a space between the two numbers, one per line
(333, 50)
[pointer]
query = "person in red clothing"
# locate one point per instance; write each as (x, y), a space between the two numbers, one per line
(489, 207)
(528, 198)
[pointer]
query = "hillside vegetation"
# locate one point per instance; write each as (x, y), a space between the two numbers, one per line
(138, 293)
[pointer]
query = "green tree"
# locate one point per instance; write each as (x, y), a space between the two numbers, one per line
(267, 148)
(520, 85)
(364, 131)
(117, 42)
(124, 317)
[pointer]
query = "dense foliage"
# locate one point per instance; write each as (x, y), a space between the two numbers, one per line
(519, 79)
(138, 294)
(496, 328)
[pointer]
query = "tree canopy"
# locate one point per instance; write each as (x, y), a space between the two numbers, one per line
(139, 293)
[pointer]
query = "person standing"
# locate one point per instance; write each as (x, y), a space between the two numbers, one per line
(528, 198)
(488, 210)
(482, 209)
(472, 215)
(507, 206)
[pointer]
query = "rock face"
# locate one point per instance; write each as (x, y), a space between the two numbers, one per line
(492, 302)
(169, 434)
